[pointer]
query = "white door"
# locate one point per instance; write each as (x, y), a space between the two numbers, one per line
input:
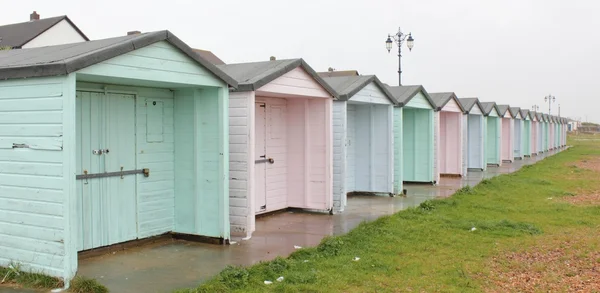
(260, 163)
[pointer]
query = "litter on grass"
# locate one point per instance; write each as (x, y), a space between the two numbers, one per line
(356, 258)
(473, 229)
(268, 282)
(280, 279)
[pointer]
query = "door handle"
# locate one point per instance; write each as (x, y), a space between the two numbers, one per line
(269, 160)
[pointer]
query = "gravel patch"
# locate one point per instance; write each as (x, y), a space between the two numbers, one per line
(561, 265)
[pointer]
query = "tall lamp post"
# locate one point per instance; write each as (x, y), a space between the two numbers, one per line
(399, 38)
(550, 99)
(535, 108)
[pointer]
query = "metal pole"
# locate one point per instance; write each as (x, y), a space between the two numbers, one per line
(399, 60)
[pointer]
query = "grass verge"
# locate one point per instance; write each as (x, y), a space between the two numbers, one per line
(14, 276)
(445, 245)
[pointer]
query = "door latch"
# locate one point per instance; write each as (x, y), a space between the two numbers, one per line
(97, 152)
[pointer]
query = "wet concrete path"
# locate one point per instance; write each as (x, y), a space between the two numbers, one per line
(174, 264)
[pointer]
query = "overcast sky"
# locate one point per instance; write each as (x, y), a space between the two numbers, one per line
(511, 51)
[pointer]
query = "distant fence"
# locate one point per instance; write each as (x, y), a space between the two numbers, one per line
(588, 129)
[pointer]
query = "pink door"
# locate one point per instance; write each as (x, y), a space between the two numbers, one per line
(260, 162)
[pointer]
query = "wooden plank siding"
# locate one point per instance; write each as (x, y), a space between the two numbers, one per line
(340, 159)
(159, 63)
(419, 101)
(241, 165)
(32, 182)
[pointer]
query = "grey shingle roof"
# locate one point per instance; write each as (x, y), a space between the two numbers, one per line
(502, 110)
(337, 73)
(347, 86)
(514, 111)
(209, 56)
(488, 107)
(64, 59)
(539, 116)
(545, 117)
(441, 99)
(403, 94)
(18, 34)
(526, 113)
(253, 75)
(468, 103)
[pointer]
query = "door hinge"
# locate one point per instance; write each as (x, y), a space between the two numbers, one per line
(263, 106)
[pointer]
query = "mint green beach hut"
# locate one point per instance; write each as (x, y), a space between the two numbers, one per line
(526, 137)
(414, 144)
(493, 134)
(546, 132)
(109, 141)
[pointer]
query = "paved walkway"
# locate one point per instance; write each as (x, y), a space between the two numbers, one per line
(173, 264)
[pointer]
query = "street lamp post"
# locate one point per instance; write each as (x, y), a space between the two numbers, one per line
(399, 38)
(535, 108)
(550, 99)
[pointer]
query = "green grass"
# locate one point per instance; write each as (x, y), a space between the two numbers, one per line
(432, 247)
(13, 274)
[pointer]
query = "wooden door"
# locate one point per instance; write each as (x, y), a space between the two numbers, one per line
(260, 165)
(492, 140)
(106, 143)
(474, 141)
(518, 152)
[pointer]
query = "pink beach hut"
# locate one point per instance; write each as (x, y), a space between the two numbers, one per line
(507, 133)
(535, 133)
(449, 134)
(280, 124)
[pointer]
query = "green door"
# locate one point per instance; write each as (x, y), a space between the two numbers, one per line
(417, 145)
(492, 141)
(106, 143)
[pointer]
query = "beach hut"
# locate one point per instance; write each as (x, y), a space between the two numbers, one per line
(493, 134)
(281, 140)
(534, 133)
(540, 132)
(546, 132)
(508, 136)
(558, 126)
(520, 145)
(552, 130)
(526, 135)
(565, 129)
(414, 143)
(109, 141)
(449, 134)
(363, 137)
(474, 132)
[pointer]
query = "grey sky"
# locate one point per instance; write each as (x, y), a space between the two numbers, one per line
(511, 52)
